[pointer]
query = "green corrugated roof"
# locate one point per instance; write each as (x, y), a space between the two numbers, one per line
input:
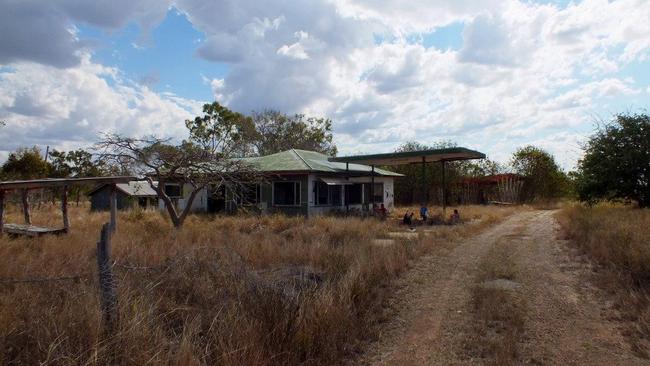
(309, 161)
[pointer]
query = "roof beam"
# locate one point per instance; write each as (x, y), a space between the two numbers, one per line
(60, 182)
(411, 157)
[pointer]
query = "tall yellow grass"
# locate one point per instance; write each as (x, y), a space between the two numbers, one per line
(222, 290)
(617, 238)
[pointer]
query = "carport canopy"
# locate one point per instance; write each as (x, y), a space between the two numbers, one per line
(336, 181)
(412, 157)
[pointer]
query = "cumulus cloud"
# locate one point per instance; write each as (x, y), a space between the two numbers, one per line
(34, 31)
(524, 69)
(44, 31)
(418, 15)
(44, 105)
(524, 72)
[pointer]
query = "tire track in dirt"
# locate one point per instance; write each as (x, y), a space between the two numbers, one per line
(568, 318)
(431, 294)
(429, 314)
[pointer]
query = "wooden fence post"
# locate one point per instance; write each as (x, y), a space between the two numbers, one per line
(106, 280)
(113, 205)
(64, 209)
(2, 211)
(28, 217)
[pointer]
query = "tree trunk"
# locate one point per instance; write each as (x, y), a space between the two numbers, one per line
(177, 220)
(170, 207)
(188, 206)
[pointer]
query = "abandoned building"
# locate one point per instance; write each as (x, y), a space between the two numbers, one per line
(298, 182)
(129, 195)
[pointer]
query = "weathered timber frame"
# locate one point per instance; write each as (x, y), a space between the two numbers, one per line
(24, 186)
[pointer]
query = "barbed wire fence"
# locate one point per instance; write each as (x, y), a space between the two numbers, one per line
(107, 282)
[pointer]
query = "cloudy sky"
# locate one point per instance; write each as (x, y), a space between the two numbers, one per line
(488, 74)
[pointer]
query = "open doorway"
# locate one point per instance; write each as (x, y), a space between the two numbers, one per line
(217, 199)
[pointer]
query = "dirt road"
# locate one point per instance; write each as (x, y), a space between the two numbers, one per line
(567, 318)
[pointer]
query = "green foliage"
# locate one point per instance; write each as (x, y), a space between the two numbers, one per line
(479, 168)
(276, 131)
(544, 180)
(75, 163)
(616, 164)
(25, 163)
(221, 130)
(417, 184)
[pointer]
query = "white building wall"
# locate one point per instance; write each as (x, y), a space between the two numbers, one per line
(200, 203)
(389, 193)
(320, 210)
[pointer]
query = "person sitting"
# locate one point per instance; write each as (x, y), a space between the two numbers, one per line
(408, 219)
(424, 213)
(382, 212)
(455, 218)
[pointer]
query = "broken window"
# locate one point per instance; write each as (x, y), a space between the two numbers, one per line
(379, 193)
(353, 194)
(286, 193)
(173, 190)
(247, 194)
(321, 193)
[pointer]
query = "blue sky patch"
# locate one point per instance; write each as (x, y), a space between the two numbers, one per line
(449, 37)
(165, 61)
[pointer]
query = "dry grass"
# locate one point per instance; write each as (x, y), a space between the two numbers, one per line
(499, 308)
(617, 239)
(222, 290)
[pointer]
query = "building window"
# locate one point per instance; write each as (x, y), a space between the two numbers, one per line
(335, 195)
(379, 193)
(286, 193)
(321, 194)
(353, 194)
(247, 194)
(173, 190)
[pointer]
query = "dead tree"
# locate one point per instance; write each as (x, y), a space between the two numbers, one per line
(205, 160)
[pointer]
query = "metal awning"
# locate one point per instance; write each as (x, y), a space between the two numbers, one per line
(336, 181)
(412, 157)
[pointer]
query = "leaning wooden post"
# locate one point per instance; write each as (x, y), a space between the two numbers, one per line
(113, 204)
(28, 217)
(372, 191)
(425, 193)
(2, 211)
(106, 281)
(444, 192)
(64, 209)
(346, 193)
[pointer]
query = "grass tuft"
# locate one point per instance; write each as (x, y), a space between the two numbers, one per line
(615, 238)
(499, 309)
